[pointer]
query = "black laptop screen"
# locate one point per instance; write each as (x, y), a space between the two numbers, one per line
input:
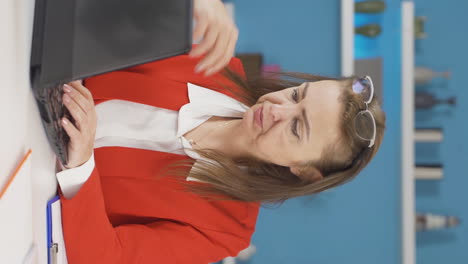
(83, 38)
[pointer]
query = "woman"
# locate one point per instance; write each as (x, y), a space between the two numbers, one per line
(144, 134)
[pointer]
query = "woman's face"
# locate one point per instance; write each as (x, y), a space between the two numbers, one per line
(297, 123)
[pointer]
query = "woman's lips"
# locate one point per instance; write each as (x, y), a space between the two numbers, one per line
(258, 116)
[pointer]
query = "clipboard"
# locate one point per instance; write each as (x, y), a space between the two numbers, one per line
(55, 243)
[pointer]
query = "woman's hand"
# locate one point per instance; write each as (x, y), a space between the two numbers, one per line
(79, 102)
(219, 35)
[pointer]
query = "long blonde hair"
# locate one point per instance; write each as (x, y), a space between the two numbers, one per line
(257, 181)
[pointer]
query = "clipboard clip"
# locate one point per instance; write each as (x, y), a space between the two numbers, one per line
(53, 250)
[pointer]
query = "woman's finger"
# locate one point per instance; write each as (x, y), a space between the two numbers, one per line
(78, 97)
(206, 44)
(217, 53)
(232, 46)
(71, 130)
(76, 112)
(80, 88)
(226, 55)
(199, 31)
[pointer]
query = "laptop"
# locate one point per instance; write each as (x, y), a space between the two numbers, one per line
(77, 39)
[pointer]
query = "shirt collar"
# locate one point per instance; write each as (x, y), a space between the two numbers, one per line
(203, 104)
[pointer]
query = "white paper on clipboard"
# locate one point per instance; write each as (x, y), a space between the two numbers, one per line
(57, 234)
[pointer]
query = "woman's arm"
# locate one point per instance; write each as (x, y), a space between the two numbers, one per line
(91, 238)
(89, 235)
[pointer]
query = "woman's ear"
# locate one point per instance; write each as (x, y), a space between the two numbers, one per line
(307, 173)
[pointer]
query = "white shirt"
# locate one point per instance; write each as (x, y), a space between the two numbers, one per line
(133, 125)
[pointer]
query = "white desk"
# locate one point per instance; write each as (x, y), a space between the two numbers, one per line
(20, 127)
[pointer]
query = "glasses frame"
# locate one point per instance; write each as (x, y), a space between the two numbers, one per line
(371, 140)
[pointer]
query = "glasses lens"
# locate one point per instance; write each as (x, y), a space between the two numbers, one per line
(365, 125)
(364, 87)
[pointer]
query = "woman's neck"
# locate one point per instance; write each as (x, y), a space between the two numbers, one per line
(221, 134)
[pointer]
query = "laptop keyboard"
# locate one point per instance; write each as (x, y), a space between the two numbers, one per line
(51, 108)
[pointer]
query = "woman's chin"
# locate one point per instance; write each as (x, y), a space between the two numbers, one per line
(246, 125)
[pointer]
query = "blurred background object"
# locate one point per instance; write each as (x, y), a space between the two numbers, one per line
(371, 30)
(244, 255)
(428, 171)
(369, 7)
(428, 135)
(252, 63)
(305, 36)
(424, 75)
(428, 221)
(419, 25)
(271, 70)
(426, 100)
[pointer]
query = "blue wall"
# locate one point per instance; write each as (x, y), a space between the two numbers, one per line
(360, 221)
(445, 48)
(301, 35)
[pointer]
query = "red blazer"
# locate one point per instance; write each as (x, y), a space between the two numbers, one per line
(122, 214)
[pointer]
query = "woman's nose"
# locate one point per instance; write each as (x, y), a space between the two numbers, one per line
(282, 111)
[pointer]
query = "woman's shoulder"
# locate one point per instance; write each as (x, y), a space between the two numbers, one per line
(185, 62)
(182, 68)
(179, 70)
(165, 77)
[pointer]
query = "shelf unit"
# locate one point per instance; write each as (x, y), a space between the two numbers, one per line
(408, 241)
(347, 37)
(408, 245)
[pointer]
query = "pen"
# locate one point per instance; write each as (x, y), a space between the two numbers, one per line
(10, 180)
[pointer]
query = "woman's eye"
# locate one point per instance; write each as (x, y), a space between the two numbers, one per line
(294, 128)
(295, 95)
